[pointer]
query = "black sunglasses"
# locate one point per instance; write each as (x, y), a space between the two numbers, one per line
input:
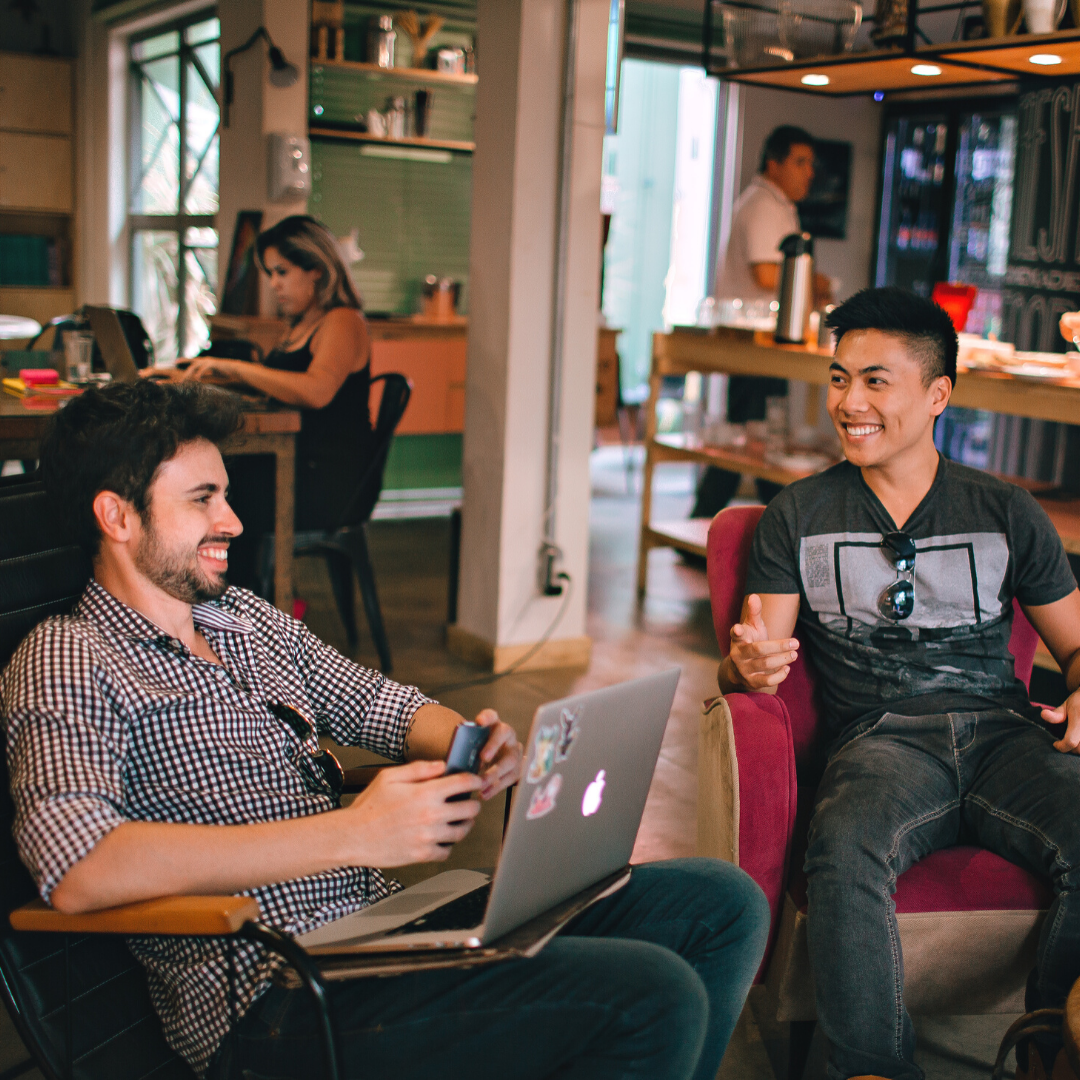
(329, 767)
(897, 601)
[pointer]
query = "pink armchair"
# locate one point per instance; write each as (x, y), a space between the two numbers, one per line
(969, 920)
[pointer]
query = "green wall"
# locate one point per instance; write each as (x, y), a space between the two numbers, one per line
(413, 218)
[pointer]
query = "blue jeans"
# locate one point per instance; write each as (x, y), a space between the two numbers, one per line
(647, 983)
(891, 795)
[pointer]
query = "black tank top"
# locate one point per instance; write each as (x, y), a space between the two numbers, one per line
(334, 444)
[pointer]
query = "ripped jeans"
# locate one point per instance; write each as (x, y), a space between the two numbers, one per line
(894, 793)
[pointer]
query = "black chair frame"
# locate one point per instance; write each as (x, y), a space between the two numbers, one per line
(79, 1000)
(345, 548)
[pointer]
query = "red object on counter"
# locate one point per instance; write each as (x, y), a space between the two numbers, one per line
(39, 376)
(957, 300)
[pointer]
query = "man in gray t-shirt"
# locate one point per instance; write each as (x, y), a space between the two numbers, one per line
(898, 570)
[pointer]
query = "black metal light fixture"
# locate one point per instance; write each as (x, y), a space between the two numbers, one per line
(282, 73)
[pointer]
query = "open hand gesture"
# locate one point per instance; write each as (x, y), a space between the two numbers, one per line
(759, 663)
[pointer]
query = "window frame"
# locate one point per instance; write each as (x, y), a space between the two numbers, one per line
(179, 222)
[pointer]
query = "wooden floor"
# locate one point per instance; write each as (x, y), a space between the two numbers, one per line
(672, 626)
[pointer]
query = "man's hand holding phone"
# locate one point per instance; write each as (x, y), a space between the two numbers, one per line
(756, 662)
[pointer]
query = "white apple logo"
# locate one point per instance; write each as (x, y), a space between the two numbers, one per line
(594, 795)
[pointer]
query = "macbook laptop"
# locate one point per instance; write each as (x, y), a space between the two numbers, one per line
(110, 338)
(588, 765)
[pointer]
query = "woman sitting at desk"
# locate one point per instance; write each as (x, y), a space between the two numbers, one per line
(322, 365)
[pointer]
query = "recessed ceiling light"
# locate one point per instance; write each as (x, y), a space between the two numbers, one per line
(1044, 59)
(926, 69)
(815, 80)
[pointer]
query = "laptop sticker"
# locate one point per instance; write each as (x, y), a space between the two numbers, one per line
(543, 798)
(569, 726)
(594, 795)
(543, 754)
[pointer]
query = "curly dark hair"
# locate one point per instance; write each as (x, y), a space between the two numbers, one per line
(116, 438)
(924, 326)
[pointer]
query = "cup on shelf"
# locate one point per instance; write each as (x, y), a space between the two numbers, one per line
(395, 119)
(376, 123)
(381, 41)
(422, 113)
(776, 428)
(1043, 16)
(78, 353)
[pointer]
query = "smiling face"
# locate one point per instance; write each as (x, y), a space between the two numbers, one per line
(878, 401)
(183, 541)
(294, 288)
(794, 175)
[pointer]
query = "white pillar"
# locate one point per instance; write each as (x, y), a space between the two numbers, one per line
(516, 181)
(258, 110)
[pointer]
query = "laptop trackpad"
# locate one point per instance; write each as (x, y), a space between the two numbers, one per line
(396, 910)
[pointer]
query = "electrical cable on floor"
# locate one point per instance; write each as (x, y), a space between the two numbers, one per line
(483, 680)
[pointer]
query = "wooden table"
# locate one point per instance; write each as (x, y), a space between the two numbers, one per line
(738, 352)
(266, 430)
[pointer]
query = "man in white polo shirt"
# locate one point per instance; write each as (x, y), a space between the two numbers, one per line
(764, 214)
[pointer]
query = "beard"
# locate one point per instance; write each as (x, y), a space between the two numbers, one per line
(177, 572)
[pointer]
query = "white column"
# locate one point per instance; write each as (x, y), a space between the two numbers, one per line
(258, 110)
(516, 181)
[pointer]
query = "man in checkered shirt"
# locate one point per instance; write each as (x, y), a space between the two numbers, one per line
(151, 753)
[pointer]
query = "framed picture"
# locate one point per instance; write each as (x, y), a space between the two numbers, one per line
(241, 293)
(823, 213)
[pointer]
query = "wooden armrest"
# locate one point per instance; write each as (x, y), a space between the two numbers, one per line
(358, 778)
(200, 915)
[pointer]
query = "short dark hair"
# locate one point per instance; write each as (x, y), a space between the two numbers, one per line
(925, 326)
(779, 143)
(116, 438)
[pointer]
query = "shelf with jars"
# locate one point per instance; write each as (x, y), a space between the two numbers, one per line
(807, 46)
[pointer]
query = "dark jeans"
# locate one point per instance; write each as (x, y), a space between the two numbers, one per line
(892, 794)
(647, 983)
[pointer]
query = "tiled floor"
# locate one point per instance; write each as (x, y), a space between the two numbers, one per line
(672, 626)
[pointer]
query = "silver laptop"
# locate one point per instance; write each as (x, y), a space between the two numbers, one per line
(589, 761)
(110, 338)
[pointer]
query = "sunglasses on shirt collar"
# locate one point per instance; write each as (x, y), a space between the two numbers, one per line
(897, 601)
(303, 728)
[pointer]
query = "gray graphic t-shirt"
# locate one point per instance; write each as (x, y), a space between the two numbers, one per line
(980, 542)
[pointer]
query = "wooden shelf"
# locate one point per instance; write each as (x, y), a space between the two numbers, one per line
(962, 64)
(455, 145)
(426, 75)
(690, 535)
(1014, 53)
(748, 459)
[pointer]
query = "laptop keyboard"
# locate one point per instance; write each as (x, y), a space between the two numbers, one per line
(464, 913)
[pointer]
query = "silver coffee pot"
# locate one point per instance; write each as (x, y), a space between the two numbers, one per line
(796, 287)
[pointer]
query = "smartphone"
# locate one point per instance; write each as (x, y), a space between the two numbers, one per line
(464, 754)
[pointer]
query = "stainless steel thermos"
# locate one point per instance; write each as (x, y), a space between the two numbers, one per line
(796, 287)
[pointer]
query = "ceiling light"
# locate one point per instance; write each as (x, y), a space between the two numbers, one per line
(1044, 59)
(926, 69)
(815, 80)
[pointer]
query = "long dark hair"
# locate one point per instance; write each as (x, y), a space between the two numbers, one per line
(309, 244)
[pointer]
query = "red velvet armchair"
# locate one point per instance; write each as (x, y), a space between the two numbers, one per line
(969, 920)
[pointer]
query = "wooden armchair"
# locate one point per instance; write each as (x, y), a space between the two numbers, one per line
(76, 995)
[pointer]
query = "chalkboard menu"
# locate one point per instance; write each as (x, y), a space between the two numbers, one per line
(1043, 275)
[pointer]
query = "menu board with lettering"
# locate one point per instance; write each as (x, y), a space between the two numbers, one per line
(1042, 278)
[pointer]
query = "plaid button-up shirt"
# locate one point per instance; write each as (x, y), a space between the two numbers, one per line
(109, 719)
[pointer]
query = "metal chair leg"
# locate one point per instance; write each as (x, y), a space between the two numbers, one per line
(799, 1039)
(301, 963)
(340, 568)
(356, 541)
